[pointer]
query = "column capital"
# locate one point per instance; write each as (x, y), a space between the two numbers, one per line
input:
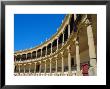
(62, 32)
(30, 63)
(76, 42)
(87, 22)
(44, 61)
(50, 59)
(62, 53)
(35, 62)
(24, 64)
(19, 64)
(39, 61)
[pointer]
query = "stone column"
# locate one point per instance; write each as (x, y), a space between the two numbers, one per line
(56, 65)
(75, 17)
(14, 67)
(40, 67)
(62, 63)
(35, 68)
(77, 58)
(50, 66)
(92, 54)
(24, 68)
(19, 68)
(29, 68)
(68, 30)
(45, 68)
(69, 60)
(63, 39)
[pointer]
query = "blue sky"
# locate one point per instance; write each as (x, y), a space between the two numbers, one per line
(32, 29)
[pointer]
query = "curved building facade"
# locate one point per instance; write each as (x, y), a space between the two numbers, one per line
(69, 52)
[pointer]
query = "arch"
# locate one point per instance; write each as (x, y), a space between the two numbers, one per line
(43, 51)
(54, 45)
(66, 33)
(23, 57)
(29, 56)
(34, 54)
(60, 41)
(49, 49)
(38, 53)
(18, 57)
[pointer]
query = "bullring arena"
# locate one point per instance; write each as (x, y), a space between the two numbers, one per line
(71, 51)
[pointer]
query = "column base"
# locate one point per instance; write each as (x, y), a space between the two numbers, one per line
(39, 74)
(18, 73)
(69, 73)
(56, 73)
(62, 73)
(78, 73)
(34, 74)
(50, 74)
(45, 74)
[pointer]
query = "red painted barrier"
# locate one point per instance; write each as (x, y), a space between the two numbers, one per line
(85, 68)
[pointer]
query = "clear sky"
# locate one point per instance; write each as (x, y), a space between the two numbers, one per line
(32, 29)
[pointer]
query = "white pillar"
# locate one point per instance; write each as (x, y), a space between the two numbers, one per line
(19, 68)
(14, 68)
(68, 30)
(77, 58)
(69, 19)
(56, 65)
(69, 61)
(29, 67)
(62, 64)
(24, 68)
(40, 68)
(75, 17)
(35, 68)
(45, 67)
(50, 66)
(92, 54)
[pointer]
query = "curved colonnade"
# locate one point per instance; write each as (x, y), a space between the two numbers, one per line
(64, 53)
